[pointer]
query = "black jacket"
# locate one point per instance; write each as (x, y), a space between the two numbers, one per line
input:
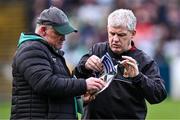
(124, 98)
(42, 85)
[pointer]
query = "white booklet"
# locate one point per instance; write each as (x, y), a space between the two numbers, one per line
(108, 79)
(109, 71)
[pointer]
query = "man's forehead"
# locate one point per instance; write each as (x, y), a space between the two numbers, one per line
(117, 29)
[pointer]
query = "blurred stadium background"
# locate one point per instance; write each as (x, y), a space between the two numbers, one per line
(158, 34)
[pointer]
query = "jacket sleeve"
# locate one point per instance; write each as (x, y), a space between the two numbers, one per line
(151, 84)
(80, 71)
(34, 64)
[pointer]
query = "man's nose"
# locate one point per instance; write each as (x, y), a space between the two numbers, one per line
(115, 37)
(62, 37)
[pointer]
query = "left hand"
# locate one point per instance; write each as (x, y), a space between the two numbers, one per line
(131, 66)
(94, 63)
(88, 97)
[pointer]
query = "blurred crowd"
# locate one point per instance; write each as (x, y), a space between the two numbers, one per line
(158, 28)
(158, 22)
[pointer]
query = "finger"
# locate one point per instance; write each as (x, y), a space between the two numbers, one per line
(91, 65)
(86, 98)
(101, 81)
(124, 63)
(129, 58)
(97, 63)
(132, 65)
(93, 97)
(133, 69)
(125, 73)
(92, 91)
(95, 87)
(130, 61)
(99, 84)
(96, 58)
(97, 66)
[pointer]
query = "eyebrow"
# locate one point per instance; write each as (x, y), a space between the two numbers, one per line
(118, 32)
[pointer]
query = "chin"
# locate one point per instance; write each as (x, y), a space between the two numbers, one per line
(59, 47)
(117, 51)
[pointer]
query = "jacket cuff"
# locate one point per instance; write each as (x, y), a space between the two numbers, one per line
(83, 70)
(83, 83)
(137, 79)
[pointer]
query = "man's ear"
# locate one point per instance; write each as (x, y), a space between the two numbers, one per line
(133, 34)
(43, 30)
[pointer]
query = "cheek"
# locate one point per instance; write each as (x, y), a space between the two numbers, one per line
(129, 42)
(53, 36)
(50, 36)
(110, 41)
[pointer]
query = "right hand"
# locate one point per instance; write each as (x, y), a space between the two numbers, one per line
(94, 63)
(94, 84)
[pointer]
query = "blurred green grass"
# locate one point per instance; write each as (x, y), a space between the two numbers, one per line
(5, 109)
(168, 110)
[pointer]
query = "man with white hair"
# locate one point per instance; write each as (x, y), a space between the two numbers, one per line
(137, 79)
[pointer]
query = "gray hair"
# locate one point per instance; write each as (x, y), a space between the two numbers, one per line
(39, 25)
(123, 18)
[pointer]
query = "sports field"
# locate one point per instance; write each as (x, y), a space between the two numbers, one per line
(166, 110)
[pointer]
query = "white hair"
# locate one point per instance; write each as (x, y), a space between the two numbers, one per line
(122, 18)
